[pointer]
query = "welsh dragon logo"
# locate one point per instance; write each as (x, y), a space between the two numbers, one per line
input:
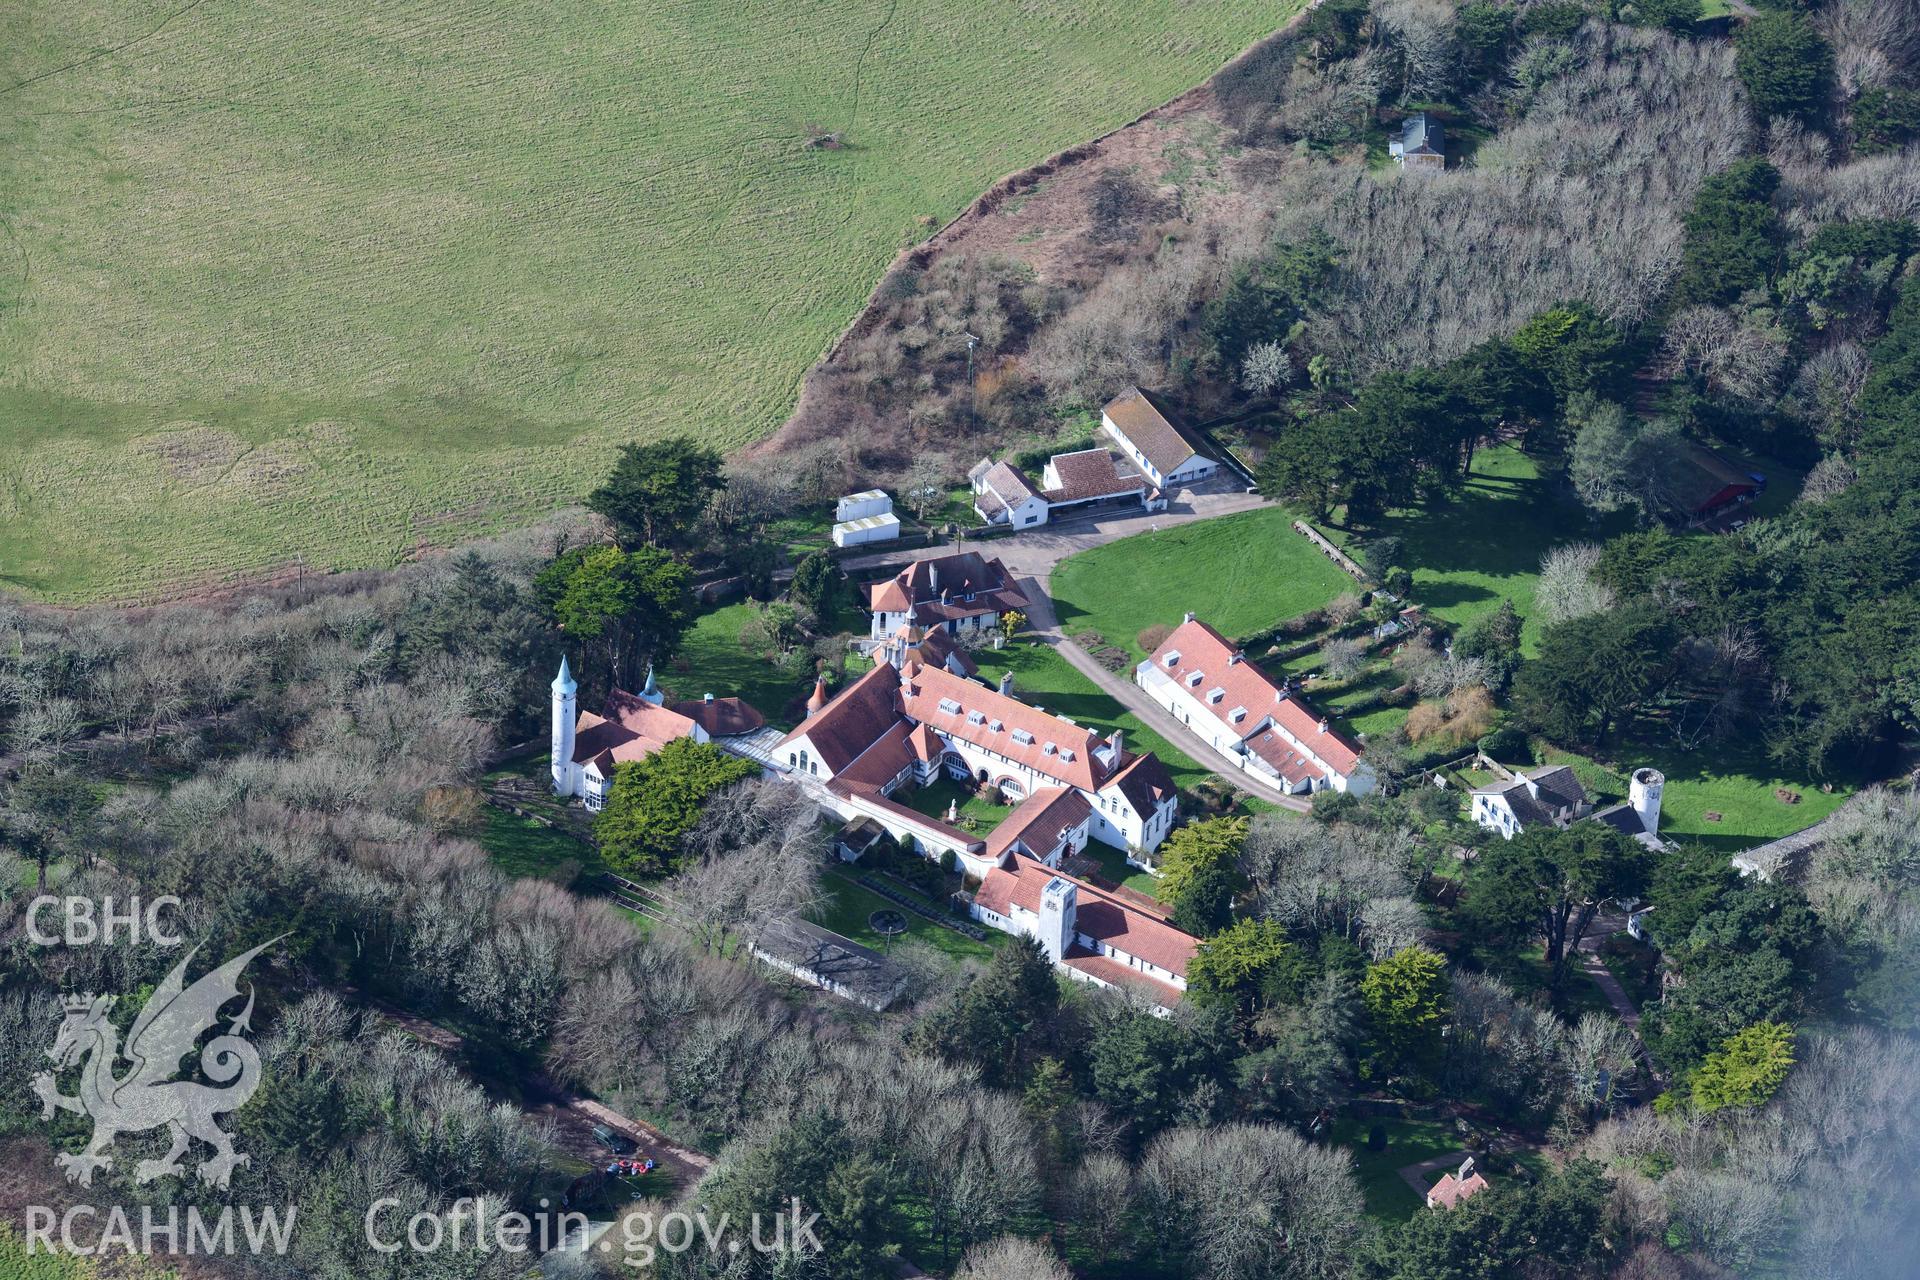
(148, 1096)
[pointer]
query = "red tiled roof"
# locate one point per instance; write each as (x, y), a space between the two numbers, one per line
(720, 717)
(937, 648)
(924, 745)
(1286, 759)
(959, 575)
(1040, 821)
(853, 720)
(1098, 914)
(885, 760)
(924, 688)
(1245, 685)
(1450, 1191)
(1091, 473)
(1151, 429)
(631, 729)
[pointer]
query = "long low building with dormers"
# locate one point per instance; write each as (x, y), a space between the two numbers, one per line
(914, 722)
(1251, 720)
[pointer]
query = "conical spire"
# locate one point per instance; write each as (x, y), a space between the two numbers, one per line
(564, 683)
(819, 698)
(651, 693)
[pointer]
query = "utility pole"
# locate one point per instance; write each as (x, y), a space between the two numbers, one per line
(973, 392)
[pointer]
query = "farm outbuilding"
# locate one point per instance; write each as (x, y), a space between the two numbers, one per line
(854, 533)
(858, 506)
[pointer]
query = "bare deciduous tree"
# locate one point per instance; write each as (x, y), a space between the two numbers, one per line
(1832, 476)
(1266, 368)
(1736, 357)
(1012, 1258)
(1567, 588)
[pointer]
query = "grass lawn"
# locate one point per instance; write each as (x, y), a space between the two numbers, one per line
(1486, 544)
(1044, 678)
(321, 289)
(711, 660)
(848, 905)
(523, 847)
(1239, 573)
(1408, 1142)
(1734, 781)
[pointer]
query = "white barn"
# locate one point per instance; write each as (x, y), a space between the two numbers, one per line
(1149, 437)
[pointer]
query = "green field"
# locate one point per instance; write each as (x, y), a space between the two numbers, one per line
(1239, 573)
(522, 847)
(1485, 545)
(321, 284)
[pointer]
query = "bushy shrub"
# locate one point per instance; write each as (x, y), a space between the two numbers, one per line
(1507, 745)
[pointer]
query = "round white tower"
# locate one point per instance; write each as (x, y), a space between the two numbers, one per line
(565, 714)
(1643, 793)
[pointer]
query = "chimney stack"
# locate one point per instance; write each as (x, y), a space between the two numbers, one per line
(1189, 617)
(1118, 748)
(709, 697)
(1006, 684)
(1323, 724)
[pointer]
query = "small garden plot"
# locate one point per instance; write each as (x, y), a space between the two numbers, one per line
(848, 907)
(974, 813)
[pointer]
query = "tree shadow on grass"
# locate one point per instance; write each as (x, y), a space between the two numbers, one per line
(1445, 595)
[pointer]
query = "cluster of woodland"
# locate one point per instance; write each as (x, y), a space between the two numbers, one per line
(315, 773)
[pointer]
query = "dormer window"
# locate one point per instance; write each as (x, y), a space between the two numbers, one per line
(1236, 715)
(1048, 749)
(1193, 679)
(1066, 754)
(995, 726)
(1172, 659)
(1022, 737)
(949, 706)
(976, 717)
(1215, 694)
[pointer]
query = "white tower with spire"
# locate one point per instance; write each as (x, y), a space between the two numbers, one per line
(566, 713)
